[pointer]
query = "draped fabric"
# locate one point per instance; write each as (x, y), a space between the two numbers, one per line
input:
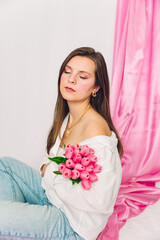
(135, 108)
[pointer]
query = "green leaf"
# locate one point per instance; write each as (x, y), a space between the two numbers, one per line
(58, 160)
(78, 180)
(57, 172)
(64, 145)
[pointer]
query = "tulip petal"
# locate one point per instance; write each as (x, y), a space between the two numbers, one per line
(86, 184)
(67, 173)
(61, 167)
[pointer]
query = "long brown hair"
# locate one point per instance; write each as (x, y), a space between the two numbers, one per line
(100, 103)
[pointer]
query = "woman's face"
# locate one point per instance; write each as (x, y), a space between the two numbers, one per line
(78, 79)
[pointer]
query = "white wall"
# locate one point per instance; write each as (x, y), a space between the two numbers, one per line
(35, 37)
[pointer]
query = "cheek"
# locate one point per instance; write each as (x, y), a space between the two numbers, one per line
(86, 88)
(62, 80)
(61, 84)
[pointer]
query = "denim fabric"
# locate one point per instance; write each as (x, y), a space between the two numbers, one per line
(25, 211)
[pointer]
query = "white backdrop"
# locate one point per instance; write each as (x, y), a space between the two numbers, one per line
(35, 37)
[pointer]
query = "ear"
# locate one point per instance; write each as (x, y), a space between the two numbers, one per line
(96, 88)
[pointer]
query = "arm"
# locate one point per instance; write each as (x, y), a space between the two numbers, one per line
(43, 168)
(102, 195)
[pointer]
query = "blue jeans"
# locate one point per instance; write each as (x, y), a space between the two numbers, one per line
(25, 211)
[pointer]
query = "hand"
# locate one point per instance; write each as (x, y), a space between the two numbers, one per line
(43, 169)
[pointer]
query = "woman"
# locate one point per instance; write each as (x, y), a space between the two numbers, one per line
(82, 116)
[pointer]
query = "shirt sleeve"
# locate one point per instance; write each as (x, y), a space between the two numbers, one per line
(45, 160)
(102, 194)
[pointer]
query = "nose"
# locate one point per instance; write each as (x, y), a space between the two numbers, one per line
(72, 78)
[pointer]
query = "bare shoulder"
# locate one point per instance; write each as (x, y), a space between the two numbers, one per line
(96, 125)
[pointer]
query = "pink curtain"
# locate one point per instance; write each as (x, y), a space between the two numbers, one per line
(135, 108)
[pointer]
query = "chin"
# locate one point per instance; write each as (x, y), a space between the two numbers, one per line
(68, 98)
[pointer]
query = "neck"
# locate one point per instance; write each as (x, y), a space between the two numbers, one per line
(76, 109)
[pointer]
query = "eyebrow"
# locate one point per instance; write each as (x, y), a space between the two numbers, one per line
(79, 71)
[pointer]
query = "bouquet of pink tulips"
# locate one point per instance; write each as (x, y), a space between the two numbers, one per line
(78, 165)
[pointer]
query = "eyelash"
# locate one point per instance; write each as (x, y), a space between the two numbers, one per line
(70, 72)
(66, 72)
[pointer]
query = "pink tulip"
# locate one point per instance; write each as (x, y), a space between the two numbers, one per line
(70, 163)
(77, 158)
(68, 147)
(85, 161)
(75, 146)
(86, 184)
(92, 158)
(97, 168)
(84, 151)
(84, 175)
(91, 151)
(79, 167)
(75, 174)
(89, 168)
(67, 173)
(93, 177)
(76, 151)
(69, 153)
(61, 167)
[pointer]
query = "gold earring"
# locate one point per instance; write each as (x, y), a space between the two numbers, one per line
(94, 94)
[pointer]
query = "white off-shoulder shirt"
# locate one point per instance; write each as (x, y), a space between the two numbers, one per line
(86, 210)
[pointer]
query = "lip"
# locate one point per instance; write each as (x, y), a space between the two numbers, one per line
(69, 89)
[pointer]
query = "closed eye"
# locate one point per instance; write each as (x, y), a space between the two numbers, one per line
(82, 77)
(66, 72)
